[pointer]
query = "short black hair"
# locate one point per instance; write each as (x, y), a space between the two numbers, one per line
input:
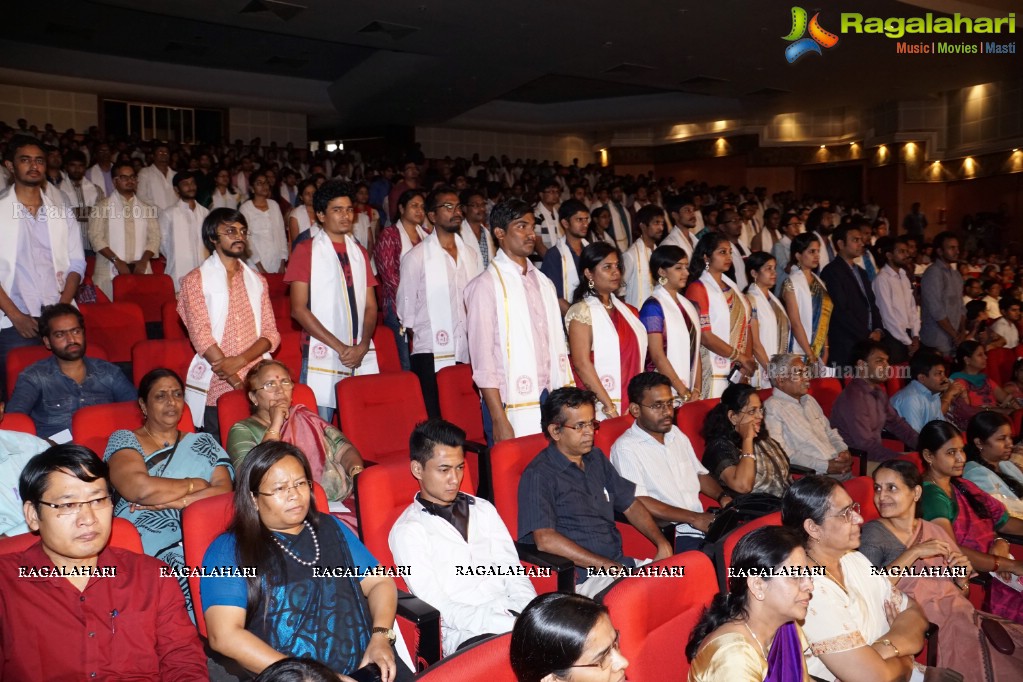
(841, 233)
(643, 382)
(433, 198)
(1008, 301)
(75, 459)
(75, 156)
(505, 212)
(20, 142)
(862, 349)
(293, 669)
(566, 396)
(184, 175)
(330, 190)
(939, 239)
(924, 360)
(569, 208)
(119, 165)
(648, 213)
(50, 312)
(677, 202)
(548, 183)
(216, 218)
(467, 194)
(429, 434)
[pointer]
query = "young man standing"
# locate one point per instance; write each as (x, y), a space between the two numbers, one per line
(636, 261)
(561, 263)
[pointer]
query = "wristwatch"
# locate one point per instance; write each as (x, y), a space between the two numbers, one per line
(386, 632)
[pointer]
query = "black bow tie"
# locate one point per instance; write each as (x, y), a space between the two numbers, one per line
(456, 513)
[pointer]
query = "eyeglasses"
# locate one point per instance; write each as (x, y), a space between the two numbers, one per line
(448, 206)
(126, 178)
(273, 385)
(61, 334)
(75, 508)
(605, 658)
(664, 405)
(753, 412)
(592, 425)
(235, 232)
(853, 508)
(281, 491)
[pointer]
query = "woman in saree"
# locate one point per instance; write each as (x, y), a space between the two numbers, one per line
(725, 346)
(749, 633)
(158, 470)
(989, 462)
(981, 393)
(806, 301)
(770, 323)
(900, 540)
(969, 514)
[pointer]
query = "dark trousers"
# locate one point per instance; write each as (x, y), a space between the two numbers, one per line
(422, 367)
(9, 340)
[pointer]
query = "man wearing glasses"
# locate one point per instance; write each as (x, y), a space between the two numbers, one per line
(74, 608)
(569, 494)
(655, 454)
(225, 306)
(123, 231)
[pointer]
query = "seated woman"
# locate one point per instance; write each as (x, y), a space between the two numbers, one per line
(567, 638)
(900, 540)
(333, 458)
(740, 453)
(978, 325)
(860, 628)
(989, 460)
(606, 341)
(285, 609)
(969, 514)
(157, 470)
(673, 324)
(981, 392)
(748, 633)
(1014, 387)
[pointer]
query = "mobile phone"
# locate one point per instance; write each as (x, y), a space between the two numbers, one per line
(736, 376)
(369, 673)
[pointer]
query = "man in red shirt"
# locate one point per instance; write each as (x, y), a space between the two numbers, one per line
(73, 608)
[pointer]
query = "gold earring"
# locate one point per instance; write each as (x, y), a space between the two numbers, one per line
(662, 280)
(590, 284)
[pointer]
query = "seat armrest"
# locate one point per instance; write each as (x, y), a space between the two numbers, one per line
(427, 622)
(667, 527)
(801, 470)
(484, 486)
(931, 637)
(862, 456)
(562, 567)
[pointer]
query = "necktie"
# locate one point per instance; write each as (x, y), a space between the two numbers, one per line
(863, 290)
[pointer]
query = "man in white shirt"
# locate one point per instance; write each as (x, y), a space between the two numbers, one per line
(15, 451)
(621, 221)
(656, 456)
(445, 531)
(101, 173)
(750, 225)
(1006, 326)
(82, 192)
(636, 261)
(156, 182)
(181, 230)
(548, 230)
(795, 419)
(894, 295)
(682, 210)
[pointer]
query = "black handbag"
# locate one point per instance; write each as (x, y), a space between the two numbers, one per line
(744, 508)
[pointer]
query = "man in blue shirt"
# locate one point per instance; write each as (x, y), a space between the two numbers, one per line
(52, 390)
(930, 394)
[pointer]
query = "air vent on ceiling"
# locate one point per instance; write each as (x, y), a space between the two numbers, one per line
(69, 32)
(626, 69)
(289, 62)
(282, 10)
(383, 28)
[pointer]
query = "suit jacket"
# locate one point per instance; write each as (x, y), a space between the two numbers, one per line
(854, 315)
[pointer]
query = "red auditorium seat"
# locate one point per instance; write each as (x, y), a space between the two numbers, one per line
(487, 660)
(387, 350)
(123, 535)
(725, 548)
(173, 327)
(861, 489)
(117, 327)
(460, 405)
(610, 430)
(91, 426)
(999, 364)
(825, 390)
(175, 354)
(290, 352)
(13, 421)
(20, 358)
(149, 292)
(275, 285)
(690, 418)
(379, 411)
(282, 314)
(234, 406)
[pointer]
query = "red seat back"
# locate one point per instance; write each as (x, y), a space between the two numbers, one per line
(123, 535)
(379, 411)
(610, 430)
(861, 489)
(732, 539)
(275, 285)
(19, 359)
(234, 406)
(117, 327)
(282, 313)
(999, 364)
(387, 350)
(14, 421)
(460, 402)
(690, 418)
(150, 292)
(508, 459)
(173, 327)
(916, 459)
(91, 426)
(655, 616)
(290, 352)
(825, 391)
(175, 354)
(487, 660)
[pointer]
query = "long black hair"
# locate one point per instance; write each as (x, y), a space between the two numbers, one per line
(933, 435)
(254, 541)
(551, 633)
(807, 498)
(591, 256)
(704, 248)
(983, 425)
(965, 350)
(764, 548)
(718, 425)
(800, 243)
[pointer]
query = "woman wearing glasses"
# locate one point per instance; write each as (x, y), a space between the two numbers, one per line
(566, 637)
(158, 470)
(860, 628)
(333, 458)
(748, 632)
(740, 453)
(287, 608)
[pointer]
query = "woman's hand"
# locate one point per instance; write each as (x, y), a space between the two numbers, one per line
(380, 652)
(609, 410)
(747, 430)
(749, 365)
(278, 413)
(933, 547)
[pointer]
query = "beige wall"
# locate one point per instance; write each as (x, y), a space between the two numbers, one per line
(78, 110)
(440, 142)
(271, 126)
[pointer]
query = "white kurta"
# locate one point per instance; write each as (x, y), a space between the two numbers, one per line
(181, 239)
(268, 242)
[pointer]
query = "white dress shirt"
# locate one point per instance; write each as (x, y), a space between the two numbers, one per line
(681, 238)
(156, 188)
(547, 226)
(894, 295)
(1007, 330)
(802, 430)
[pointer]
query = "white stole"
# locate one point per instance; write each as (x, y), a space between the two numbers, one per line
(804, 300)
(522, 395)
(767, 321)
(216, 293)
(184, 246)
(676, 333)
(447, 347)
(720, 325)
(328, 301)
(569, 271)
(607, 350)
(116, 209)
(406, 243)
(639, 286)
(679, 237)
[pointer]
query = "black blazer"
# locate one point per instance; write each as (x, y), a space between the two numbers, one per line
(852, 314)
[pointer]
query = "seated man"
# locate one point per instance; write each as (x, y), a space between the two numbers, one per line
(74, 608)
(930, 394)
(52, 390)
(660, 459)
(15, 450)
(862, 409)
(560, 508)
(1006, 325)
(444, 530)
(795, 419)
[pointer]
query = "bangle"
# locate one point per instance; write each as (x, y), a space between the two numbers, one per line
(275, 433)
(355, 470)
(191, 487)
(751, 455)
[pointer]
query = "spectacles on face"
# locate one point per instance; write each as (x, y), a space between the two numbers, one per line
(233, 232)
(605, 658)
(127, 178)
(593, 426)
(64, 509)
(853, 508)
(664, 405)
(273, 385)
(281, 491)
(62, 334)
(448, 206)
(753, 412)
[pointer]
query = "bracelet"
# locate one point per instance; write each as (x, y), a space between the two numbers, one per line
(751, 455)
(275, 432)
(191, 486)
(888, 642)
(355, 470)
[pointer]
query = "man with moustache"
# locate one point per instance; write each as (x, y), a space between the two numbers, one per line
(156, 182)
(81, 191)
(636, 261)
(41, 257)
(682, 210)
(893, 292)
(517, 344)
(851, 294)
(181, 229)
(225, 306)
(52, 390)
(474, 227)
(429, 305)
(930, 395)
(561, 263)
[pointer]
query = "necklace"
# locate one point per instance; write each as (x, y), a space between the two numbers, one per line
(166, 443)
(828, 573)
(316, 543)
(755, 639)
(609, 305)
